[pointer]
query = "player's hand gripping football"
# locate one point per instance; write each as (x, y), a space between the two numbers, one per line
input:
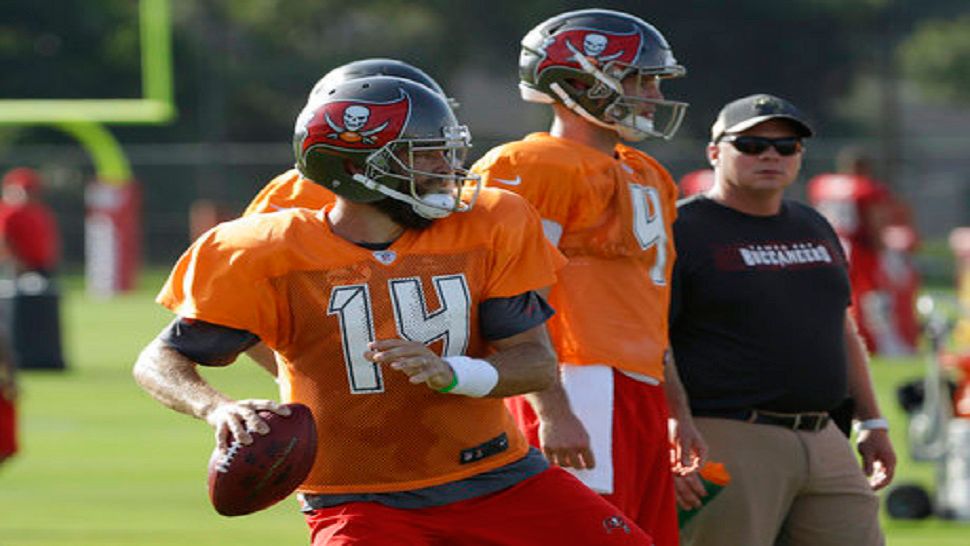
(239, 419)
(414, 359)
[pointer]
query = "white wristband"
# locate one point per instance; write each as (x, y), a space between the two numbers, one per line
(878, 423)
(473, 377)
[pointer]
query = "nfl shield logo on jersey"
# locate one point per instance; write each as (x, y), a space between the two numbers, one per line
(386, 257)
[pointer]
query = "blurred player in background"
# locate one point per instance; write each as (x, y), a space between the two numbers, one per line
(291, 190)
(608, 207)
(696, 182)
(31, 240)
(878, 235)
(401, 314)
(30, 250)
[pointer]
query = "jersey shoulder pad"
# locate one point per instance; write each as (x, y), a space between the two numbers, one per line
(503, 206)
(526, 161)
(261, 241)
(289, 190)
(648, 166)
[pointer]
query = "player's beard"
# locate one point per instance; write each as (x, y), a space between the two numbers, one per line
(402, 213)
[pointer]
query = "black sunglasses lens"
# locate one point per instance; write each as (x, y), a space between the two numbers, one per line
(750, 145)
(755, 145)
(786, 146)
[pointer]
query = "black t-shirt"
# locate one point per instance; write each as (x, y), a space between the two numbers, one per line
(757, 309)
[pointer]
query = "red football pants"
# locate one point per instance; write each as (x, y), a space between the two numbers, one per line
(643, 483)
(550, 508)
(8, 428)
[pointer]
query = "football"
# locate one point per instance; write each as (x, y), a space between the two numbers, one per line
(246, 478)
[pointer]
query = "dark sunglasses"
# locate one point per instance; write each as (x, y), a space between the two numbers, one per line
(754, 145)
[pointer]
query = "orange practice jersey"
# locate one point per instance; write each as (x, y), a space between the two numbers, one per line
(616, 213)
(317, 300)
(287, 191)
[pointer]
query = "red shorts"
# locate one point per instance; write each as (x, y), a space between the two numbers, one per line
(550, 508)
(643, 484)
(8, 428)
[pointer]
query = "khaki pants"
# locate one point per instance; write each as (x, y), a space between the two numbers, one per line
(788, 488)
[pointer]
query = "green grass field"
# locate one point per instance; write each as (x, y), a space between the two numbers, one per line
(103, 464)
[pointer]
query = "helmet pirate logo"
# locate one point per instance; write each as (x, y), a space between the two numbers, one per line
(355, 118)
(599, 48)
(595, 44)
(357, 125)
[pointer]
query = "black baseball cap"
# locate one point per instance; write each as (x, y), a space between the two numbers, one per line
(749, 111)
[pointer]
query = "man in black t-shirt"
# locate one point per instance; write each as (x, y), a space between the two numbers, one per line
(765, 348)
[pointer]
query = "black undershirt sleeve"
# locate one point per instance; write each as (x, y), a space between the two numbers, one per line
(500, 318)
(206, 343)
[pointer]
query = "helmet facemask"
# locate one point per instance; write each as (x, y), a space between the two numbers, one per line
(395, 171)
(610, 104)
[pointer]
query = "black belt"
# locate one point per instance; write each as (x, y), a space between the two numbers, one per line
(813, 421)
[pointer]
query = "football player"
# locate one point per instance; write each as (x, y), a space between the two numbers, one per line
(291, 190)
(609, 208)
(401, 314)
(863, 212)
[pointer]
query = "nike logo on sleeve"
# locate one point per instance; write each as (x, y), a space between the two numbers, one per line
(509, 181)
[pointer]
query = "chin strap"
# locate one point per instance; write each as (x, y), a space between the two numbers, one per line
(635, 132)
(575, 107)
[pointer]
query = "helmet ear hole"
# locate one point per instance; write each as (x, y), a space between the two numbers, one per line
(351, 167)
(577, 84)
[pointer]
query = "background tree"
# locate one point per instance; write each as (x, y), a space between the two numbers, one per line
(937, 57)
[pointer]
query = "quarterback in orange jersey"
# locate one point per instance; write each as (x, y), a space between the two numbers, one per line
(609, 208)
(292, 190)
(401, 314)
